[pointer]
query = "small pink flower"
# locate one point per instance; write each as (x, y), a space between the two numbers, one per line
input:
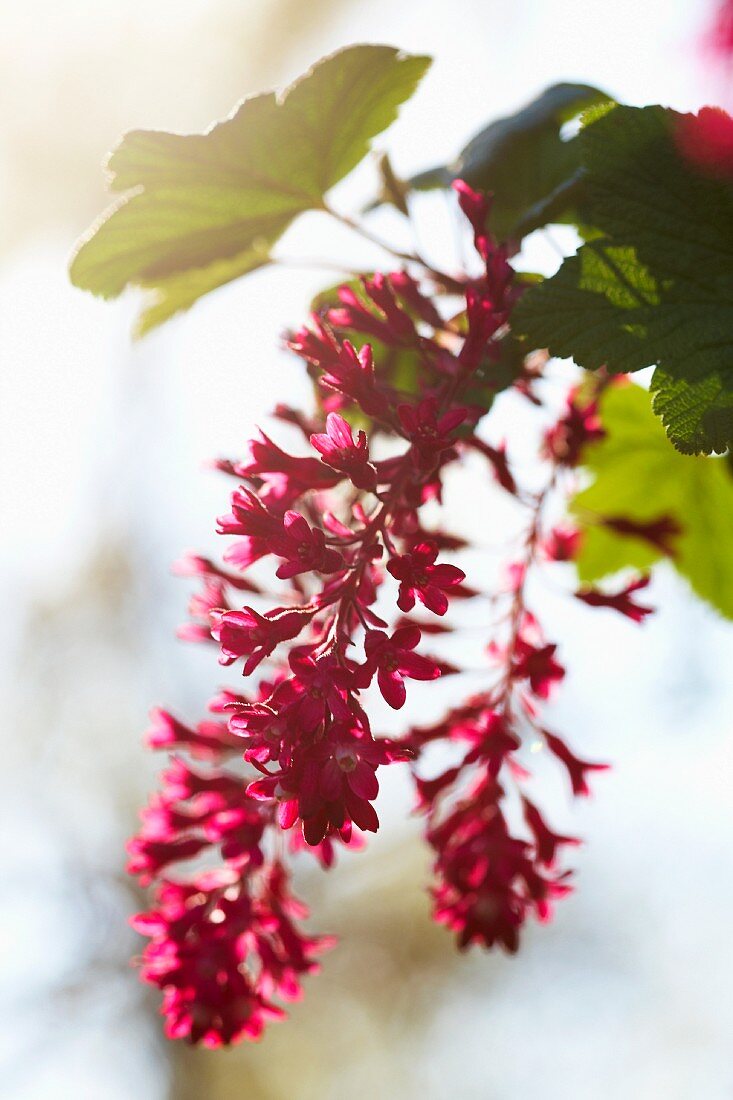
(247, 634)
(620, 601)
(344, 371)
(284, 477)
(562, 543)
(579, 425)
(538, 665)
(429, 434)
(304, 548)
(576, 767)
(393, 659)
(150, 856)
(546, 841)
(339, 450)
(318, 690)
(420, 577)
(476, 207)
(376, 312)
(209, 740)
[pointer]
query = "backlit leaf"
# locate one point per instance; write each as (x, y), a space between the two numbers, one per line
(637, 476)
(202, 209)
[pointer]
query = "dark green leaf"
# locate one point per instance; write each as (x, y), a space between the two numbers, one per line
(655, 287)
(524, 161)
(638, 476)
(206, 208)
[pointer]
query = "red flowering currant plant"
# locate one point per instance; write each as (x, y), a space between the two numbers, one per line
(360, 577)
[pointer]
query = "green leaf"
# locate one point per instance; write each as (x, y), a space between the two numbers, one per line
(638, 476)
(206, 208)
(179, 291)
(655, 286)
(524, 161)
(698, 414)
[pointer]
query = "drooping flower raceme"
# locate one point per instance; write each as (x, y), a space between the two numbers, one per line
(293, 754)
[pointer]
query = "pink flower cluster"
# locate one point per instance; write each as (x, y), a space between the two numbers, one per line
(296, 755)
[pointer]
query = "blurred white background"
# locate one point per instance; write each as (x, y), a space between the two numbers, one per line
(102, 447)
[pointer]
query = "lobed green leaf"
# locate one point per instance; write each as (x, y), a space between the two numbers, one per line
(203, 209)
(638, 476)
(654, 287)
